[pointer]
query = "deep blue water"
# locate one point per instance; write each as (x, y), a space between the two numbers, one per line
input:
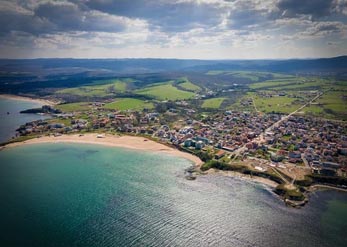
(87, 195)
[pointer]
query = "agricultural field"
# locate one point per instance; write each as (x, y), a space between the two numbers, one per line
(129, 104)
(99, 90)
(165, 91)
(253, 76)
(294, 84)
(213, 103)
(332, 104)
(272, 84)
(72, 107)
(189, 86)
(282, 104)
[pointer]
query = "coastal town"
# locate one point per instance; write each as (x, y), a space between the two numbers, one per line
(293, 150)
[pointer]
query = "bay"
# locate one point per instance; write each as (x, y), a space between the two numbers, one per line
(87, 195)
(10, 122)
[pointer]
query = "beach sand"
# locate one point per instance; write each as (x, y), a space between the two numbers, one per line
(138, 143)
(16, 97)
(131, 142)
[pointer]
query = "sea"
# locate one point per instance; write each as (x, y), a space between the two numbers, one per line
(11, 119)
(90, 195)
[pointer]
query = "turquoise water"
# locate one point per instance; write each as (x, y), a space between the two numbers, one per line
(10, 122)
(87, 195)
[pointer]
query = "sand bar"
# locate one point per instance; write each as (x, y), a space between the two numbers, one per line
(131, 142)
(16, 97)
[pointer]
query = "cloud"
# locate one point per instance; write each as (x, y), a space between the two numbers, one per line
(315, 9)
(66, 16)
(170, 16)
(183, 28)
(61, 16)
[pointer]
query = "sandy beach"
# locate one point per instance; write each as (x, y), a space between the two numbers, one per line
(16, 97)
(131, 142)
(138, 143)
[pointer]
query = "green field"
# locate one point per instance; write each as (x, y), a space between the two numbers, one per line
(71, 107)
(129, 104)
(187, 85)
(165, 92)
(281, 104)
(111, 87)
(213, 103)
(253, 76)
(298, 83)
(332, 104)
(274, 83)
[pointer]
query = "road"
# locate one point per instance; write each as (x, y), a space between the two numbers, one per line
(260, 139)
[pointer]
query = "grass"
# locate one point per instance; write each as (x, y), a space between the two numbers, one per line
(186, 84)
(71, 107)
(129, 104)
(213, 103)
(165, 92)
(273, 83)
(331, 104)
(282, 104)
(111, 87)
(66, 122)
(250, 75)
(296, 83)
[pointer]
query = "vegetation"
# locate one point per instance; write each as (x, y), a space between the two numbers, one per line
(71, 107)
(187, 85)
(111, 87)
(291, 194)
(129, 104)
(213, 103)
(165, 91)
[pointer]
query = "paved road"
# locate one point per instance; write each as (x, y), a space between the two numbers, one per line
(260, 139)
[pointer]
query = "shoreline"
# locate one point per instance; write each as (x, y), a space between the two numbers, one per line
(242, 176)
(130, 142)
(137, 143)
(147, 145)
(29, 99)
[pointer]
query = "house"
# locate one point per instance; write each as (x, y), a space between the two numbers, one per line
(219, 154)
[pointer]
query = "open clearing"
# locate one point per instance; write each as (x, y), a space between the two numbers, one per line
(71, 107)
(129, 104)
(165, 92)
(111, 87)
(213, 103)
(187, 85)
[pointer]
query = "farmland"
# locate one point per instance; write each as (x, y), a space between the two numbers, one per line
(101, 89)
(129, 104)
(213, 103)
(189, 86)
(165, 91)
(71, 107)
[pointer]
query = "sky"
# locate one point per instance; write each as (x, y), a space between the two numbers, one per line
(199, 29)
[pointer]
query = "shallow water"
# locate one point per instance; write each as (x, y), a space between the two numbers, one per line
(87, 195)
(10, 122)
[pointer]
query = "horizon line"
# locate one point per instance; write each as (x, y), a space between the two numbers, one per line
(173, 58)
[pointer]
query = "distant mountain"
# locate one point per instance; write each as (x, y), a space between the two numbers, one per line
(29, 67)
(322, 65)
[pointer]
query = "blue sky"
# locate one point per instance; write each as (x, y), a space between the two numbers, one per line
(202, 29)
